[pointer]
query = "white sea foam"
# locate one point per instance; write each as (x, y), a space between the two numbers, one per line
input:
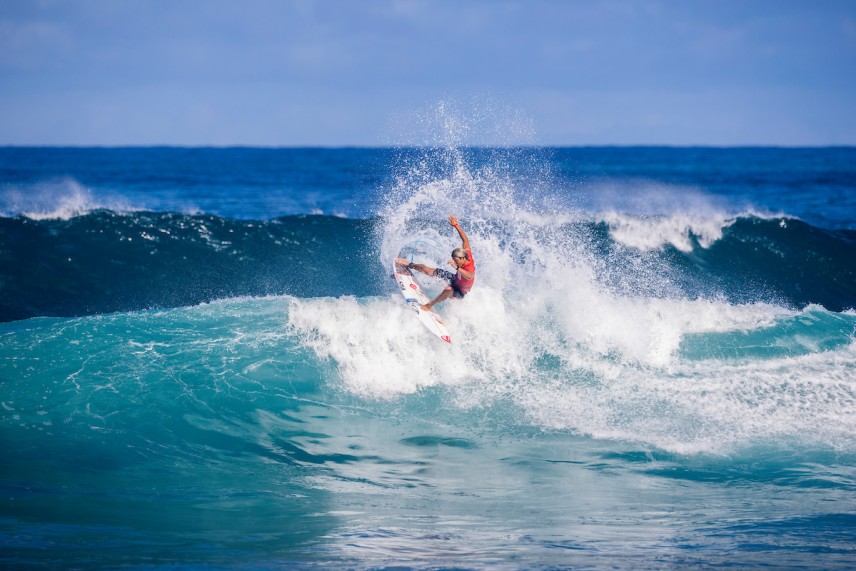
(371, 342)
(711, 406)
(608, 368)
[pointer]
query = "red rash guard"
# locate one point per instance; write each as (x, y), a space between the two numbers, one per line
(460, 283)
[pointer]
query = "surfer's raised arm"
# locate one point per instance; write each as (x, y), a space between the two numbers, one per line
(465, 241)
(461, 257)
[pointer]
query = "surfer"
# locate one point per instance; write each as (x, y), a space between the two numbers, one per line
(464, 277)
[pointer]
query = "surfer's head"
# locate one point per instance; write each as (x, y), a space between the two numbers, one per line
(460, 254)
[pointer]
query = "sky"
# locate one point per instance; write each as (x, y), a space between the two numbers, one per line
(399, 72)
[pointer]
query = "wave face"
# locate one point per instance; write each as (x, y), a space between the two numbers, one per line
(646, 374)
(105, 261)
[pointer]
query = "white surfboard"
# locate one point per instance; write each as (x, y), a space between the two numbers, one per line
(416, 298)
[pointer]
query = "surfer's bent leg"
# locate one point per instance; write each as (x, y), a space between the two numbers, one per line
(444, 295)
(448, 292)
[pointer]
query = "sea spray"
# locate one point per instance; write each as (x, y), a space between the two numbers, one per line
(58, 199)
(580, 332)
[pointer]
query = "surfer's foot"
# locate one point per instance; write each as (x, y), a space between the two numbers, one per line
(402, 267)
(427, 307)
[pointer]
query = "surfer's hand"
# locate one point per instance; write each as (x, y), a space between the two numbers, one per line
(453, 221)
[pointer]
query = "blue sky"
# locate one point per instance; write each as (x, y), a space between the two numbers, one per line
(388, 72)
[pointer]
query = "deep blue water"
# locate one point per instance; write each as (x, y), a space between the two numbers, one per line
(204, 363)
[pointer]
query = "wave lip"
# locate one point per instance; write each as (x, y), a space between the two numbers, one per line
(653, 232)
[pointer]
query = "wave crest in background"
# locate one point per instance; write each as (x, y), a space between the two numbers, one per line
(57, 199)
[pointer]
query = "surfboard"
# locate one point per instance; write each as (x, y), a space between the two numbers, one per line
(415, 297)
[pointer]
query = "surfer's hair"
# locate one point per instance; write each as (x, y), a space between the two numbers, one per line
(460, 253)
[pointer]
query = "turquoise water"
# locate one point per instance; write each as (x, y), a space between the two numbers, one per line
(636, 388)
(211, 435)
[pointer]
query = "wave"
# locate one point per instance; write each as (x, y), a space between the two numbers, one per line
(672, 329)
(686, 378)
(107, 261)
(686, 329)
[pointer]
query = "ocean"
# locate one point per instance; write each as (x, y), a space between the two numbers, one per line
(204, 363)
